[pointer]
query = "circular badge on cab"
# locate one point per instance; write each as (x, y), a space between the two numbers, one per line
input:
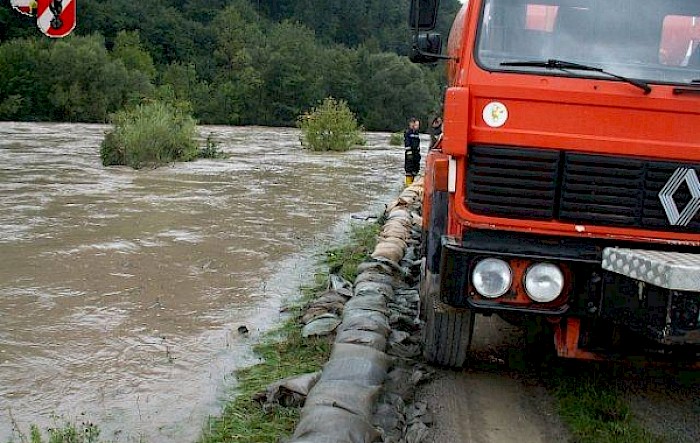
(495, 114)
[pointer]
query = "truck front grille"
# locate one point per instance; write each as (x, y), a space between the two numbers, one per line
(548, 184)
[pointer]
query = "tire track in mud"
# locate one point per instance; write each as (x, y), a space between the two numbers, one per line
(485, 403)
(506, 393)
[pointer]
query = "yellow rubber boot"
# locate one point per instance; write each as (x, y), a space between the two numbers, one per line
(409, 180)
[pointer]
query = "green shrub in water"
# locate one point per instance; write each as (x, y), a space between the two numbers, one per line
(211, 150)
(330, 127)
(396, 139)
(150, 134)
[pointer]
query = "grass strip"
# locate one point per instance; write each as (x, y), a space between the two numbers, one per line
(285, 353)
(596, 409)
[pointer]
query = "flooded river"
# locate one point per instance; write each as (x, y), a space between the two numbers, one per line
(121, 291)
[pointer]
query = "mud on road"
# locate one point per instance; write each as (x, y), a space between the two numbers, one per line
(504, 394)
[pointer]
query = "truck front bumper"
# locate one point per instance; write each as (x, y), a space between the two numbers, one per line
(656, 293)
(651, 293)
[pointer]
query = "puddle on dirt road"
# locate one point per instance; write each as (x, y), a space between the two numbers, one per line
(121, 291)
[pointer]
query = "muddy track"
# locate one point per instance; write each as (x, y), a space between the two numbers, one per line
(485, 402)
(503, 396)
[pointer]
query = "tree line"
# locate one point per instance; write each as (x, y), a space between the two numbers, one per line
(237, 62)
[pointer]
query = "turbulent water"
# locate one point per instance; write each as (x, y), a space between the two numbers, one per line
(121, 291)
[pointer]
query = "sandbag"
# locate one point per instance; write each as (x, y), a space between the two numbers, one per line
(326, 424)
(366, 287)
(389, 251)
(392, 264)
(397, 213)
(376, 277)
(399, 232)
(314, 313)
(408, 295)
(374, 266)
(347, 395)
(397, 241)
(327, 297)
(398, 223)
(373, 322)
(330, 302)
(390, 419)
(364, 338)
(361, 370)
(290, 392)
(337, 282)
(396, 228)
(381, 278)
(361, 364)
(368, 302)
(323, 325)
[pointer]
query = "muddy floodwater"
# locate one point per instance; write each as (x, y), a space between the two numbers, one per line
(121, 291)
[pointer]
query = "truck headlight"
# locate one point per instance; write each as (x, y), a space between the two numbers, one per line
(544, 282)
(492, 277)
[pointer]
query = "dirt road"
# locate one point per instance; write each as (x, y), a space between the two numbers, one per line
(501, 397)
(486, 405)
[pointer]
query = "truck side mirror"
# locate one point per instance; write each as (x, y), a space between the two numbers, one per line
(426, 48)
(423, 14)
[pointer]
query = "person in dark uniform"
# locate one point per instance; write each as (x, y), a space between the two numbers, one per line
(411, 142)
(435, 131)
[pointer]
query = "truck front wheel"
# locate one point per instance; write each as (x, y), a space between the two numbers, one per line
(448, 331)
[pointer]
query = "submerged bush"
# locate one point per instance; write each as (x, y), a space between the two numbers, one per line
(396, 139)
(211, 150)
(330, 127)
(150, 134)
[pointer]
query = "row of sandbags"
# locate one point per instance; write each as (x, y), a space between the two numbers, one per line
(339, 407)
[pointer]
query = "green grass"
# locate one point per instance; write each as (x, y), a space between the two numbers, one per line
(596, 410)
(285, 353)
(66, 433)
(592, 399)
(344, 260)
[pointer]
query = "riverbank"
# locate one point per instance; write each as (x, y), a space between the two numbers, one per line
(285, 353)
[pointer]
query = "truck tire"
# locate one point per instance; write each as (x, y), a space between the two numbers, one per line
(448, 331)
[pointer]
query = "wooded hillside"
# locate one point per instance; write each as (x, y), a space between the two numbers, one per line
(237, 62)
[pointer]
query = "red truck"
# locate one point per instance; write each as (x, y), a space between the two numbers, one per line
(564, 193)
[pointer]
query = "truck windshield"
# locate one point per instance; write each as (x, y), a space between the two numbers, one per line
(656, 41)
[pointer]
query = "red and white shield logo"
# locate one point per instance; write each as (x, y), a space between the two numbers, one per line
(26, 7)
(56, 18)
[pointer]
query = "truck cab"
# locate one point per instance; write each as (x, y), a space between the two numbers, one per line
(565, 189)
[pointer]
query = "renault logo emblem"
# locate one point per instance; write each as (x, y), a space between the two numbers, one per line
(676, 217)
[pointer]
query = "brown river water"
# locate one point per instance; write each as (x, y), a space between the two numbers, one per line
(121, 291)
